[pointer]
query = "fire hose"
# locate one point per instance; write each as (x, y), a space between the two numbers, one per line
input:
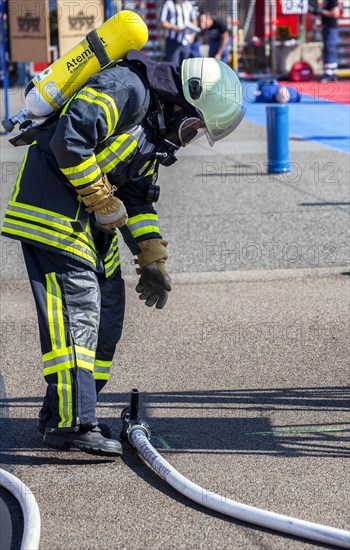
(137, 432)
(29, 506)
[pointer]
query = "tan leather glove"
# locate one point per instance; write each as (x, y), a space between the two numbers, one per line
(152, 250)
(109, 211)
(154, 283)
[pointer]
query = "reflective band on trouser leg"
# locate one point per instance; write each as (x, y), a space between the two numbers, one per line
(102, 369)
(58, 365)
(55, 311)
(65, 394)
(60, 360)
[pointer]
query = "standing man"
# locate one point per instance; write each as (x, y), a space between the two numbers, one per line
(329, 16)
(178, 17)
(218, 34)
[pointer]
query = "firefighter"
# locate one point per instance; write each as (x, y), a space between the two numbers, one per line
(92, 169)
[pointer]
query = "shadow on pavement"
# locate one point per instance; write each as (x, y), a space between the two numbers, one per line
(214, 422)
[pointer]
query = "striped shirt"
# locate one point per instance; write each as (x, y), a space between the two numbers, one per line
(179, 14)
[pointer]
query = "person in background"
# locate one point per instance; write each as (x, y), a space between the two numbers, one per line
(178, 17)
(217, 31)
(22, 74)
(329, 16)
(270, 91)
(196, 44)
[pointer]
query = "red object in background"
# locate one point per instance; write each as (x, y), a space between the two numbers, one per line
(38, 67)
(287, 25)
(301, 72)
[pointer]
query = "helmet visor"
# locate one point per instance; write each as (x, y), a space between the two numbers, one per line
(190, 129)
(216, 133)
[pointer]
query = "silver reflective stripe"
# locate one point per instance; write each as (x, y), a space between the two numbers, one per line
(82, 174)
(58, 360)
(47, 237)
(102, 370)
(101, 99)
(46, 217)
(143, 223)
(114, 155)
(83, 357)
(65, 401)
(54, 315)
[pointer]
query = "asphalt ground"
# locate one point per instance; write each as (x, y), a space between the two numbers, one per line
(244, 376)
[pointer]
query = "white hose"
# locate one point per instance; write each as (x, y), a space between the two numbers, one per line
(30, 509)
(250, 514)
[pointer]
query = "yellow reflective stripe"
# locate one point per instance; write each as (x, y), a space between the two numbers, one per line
(35, 235)
(151, 169)
(112, 249)
(100, 376)
(49, 307)
(120, 157)
(19, 177)
(67, 105)
(31, 208)
(112, 148)
(112, 254)
(59, 367)
(143, 224)
(145, 230)
(65, 399)
(59, 310)
(58, 360)
(116, 152)
(100, 363)
(56, 354)
(85, 351)
(83, 173)
(109, 103)
(109, 106)
(85, 357)
(110, 271)
(60, 399)
(141, 217)
(55, 312)
(102, 369)
(47, 217)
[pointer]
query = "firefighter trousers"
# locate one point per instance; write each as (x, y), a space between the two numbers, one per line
(80, 316)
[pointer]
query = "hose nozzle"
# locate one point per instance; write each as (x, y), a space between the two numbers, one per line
(131, 419)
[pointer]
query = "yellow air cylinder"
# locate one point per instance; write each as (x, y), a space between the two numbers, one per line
(50, 89)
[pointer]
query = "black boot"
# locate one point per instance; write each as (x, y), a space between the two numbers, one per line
(106, 430)
(89, 440)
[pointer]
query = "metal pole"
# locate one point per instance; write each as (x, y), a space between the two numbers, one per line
(4, 58)
(248, 18)
(234, 35)
(109, 8)
(273, 37)
(267, 34)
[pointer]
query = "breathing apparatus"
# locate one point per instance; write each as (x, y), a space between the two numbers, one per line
(47, 92)
(170, 130)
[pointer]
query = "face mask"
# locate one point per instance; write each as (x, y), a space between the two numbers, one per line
(182, 129)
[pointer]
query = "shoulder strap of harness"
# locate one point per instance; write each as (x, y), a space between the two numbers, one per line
(96, 46)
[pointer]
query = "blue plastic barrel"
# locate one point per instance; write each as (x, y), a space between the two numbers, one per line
(277, 139)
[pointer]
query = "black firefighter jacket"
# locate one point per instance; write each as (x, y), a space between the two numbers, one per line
(94, 135)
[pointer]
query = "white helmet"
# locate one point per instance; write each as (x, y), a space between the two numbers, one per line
(214, 89)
